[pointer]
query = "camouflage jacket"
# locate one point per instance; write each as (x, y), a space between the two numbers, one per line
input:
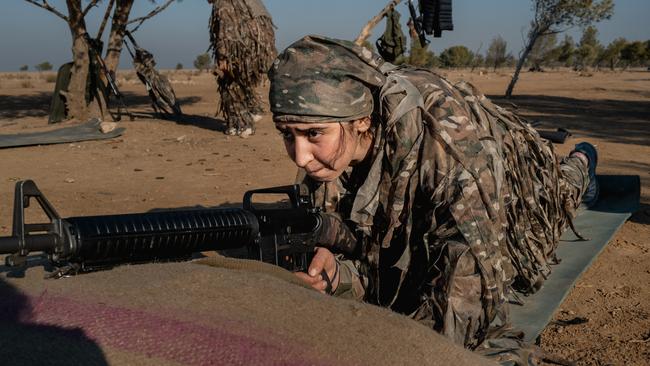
(459, 200)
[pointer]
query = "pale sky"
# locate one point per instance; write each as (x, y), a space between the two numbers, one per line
(30, 35)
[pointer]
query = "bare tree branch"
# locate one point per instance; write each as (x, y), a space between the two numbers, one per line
(106, 16)
(367, 29)
(90, 6)
(151, 14)
(48, 7)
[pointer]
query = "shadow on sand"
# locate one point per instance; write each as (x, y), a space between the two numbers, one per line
(37, 105)
(620, 121)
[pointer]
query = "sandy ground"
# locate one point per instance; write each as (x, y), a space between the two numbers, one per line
(165, 164)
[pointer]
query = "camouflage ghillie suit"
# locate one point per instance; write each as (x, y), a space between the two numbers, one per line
(460, 203)
(163, 98)
(243, 45)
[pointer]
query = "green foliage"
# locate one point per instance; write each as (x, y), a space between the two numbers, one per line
(203, 62)
(477, 60)
(421, 56)
(566, 51)
(544, 51)
(555, 16)
(588, 49)
(511, 61)
(552, 16)
(179, 66)
(43, 66)
(634, 53)
(456, 56)
(24, 68)
(496, 53)
(611, 55)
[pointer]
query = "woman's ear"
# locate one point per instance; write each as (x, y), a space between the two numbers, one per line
(362, 125)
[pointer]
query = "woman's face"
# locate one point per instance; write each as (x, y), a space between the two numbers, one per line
(325, 150)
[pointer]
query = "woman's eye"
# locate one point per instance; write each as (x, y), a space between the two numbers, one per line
(314, 133)
(286, 135)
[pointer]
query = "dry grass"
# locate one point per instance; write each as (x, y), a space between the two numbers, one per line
(26, 84)
(16, 75)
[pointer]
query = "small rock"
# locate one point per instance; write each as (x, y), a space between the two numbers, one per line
(68, 180)
(181, 138)
(107, 127)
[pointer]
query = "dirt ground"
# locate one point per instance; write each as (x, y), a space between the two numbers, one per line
(165, 164)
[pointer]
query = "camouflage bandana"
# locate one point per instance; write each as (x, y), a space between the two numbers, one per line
(318, 79)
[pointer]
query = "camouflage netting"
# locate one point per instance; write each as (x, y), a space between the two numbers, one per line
(242, 38)
(158, 86)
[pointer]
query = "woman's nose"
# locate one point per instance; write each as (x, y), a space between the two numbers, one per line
(302, 152)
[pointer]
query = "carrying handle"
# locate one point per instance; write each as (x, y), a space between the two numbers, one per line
(294, 192)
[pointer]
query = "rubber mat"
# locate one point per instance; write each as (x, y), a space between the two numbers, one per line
(84, 132)
(619, 198)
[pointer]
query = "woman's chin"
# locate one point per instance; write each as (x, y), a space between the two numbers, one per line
(323, 175)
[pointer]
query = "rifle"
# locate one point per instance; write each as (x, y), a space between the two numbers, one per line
(282, 236)
(558, 136)
(92, 44)
(435, 16)
(417, 24)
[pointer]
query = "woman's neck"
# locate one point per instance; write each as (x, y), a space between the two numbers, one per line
(363, 151)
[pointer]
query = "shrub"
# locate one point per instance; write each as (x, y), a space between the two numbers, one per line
(43, 66)
(203, 62)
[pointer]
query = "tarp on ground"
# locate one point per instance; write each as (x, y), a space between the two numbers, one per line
(61, 135)
(619, 198)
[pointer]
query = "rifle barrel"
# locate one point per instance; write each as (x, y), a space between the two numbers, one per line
(35, 243)
(97, 241)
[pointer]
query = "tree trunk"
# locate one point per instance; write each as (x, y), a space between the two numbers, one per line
(520, 63)
(76, 94)
(118, 28)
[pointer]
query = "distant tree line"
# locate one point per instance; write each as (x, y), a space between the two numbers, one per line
(547, 52)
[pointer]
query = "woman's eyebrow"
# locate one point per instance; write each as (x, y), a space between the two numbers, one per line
(299, 129)
(310, 128)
